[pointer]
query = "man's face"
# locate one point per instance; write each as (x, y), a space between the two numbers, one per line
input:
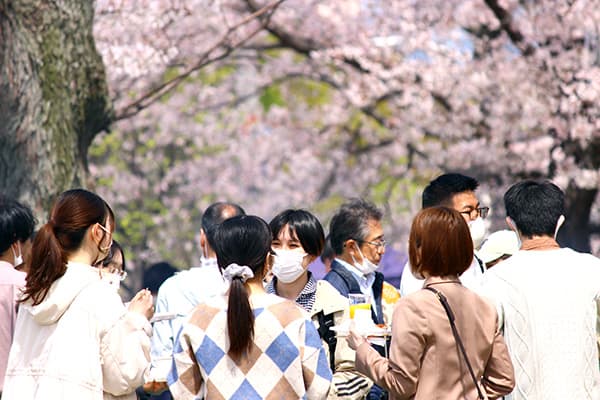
(466, 204)
(373, 246)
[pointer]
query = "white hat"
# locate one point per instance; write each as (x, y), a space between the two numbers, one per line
(497, 244)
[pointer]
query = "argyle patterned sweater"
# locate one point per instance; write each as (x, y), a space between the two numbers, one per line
(286, 360)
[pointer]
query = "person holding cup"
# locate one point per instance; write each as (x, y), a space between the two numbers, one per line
(445, 338)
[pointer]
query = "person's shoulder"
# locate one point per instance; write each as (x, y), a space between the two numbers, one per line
(330, 297)
(11, 276)
(334, 276)
(325, 288)
(182, 276)
(286, 311)
(415, 298)
(204, 312)
(587, 258)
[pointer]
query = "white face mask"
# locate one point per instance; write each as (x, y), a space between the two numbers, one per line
(205, 262)
(559, 223)
(366, 267)
(113, 280)
(478, 231)
(18, 258)
(288, 266)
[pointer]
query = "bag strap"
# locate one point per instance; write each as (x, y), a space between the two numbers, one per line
(325, 323)
(450, 314)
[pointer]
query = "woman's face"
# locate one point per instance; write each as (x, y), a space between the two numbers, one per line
(116, 263)
(287, 240)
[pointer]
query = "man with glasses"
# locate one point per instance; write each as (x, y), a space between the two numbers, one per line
(356, 237)
(455, 191)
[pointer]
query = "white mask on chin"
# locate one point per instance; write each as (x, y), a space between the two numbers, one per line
(366, 267)
(113, 280)
(478, 231)
(287, 266)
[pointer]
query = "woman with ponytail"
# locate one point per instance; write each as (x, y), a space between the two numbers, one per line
(74, 338)
(248, 344)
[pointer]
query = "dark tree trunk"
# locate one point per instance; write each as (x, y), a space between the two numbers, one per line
(576, 230)
(53, 97)
(579, 201)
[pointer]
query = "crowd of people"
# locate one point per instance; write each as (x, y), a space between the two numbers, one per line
(508, 315)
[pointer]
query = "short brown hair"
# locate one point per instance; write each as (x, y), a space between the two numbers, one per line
(439, 243)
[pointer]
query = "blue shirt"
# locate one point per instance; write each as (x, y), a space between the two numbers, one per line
(179, 295)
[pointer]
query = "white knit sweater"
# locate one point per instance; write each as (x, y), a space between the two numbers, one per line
(547, 302)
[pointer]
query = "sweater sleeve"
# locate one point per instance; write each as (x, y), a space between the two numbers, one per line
(315, 364)
(162, 340)
(125, 351)
(185, 379)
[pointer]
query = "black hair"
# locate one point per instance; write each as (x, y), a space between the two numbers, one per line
(16, 222)
(214, 215)
(156, 274)
(351, 222)
(244, 240)
(114, 248)
(306, 226)
(535, 207)
(439, 191)
(327, 254)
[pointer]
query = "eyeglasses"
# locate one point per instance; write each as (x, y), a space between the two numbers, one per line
(376, 243)
(477, 212)
(116, 271)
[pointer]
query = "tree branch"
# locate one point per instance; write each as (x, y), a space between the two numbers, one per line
(255, 92)
(264, 14)
(508, 26)
(299, 44)
(303, 45)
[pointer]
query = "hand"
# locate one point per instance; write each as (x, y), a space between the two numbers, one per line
(354, 339)
(155, 387)
(142, 303)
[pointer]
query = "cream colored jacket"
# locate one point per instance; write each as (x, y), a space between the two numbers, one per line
(347, 383)
(79, 343)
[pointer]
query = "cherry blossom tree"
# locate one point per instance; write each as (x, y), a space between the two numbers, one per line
(318, 101)
(298, 103)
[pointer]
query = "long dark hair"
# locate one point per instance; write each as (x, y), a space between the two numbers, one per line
(72, 214)
(244, 240)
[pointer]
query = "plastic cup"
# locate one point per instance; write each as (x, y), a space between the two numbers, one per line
(359, 306)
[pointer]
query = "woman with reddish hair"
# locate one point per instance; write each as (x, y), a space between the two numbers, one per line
(74, 338)
(445, 338)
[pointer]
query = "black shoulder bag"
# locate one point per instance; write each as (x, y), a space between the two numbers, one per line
(450, 314)
(325, 323)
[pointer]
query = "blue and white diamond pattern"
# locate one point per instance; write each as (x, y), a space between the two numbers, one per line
(282, 351)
